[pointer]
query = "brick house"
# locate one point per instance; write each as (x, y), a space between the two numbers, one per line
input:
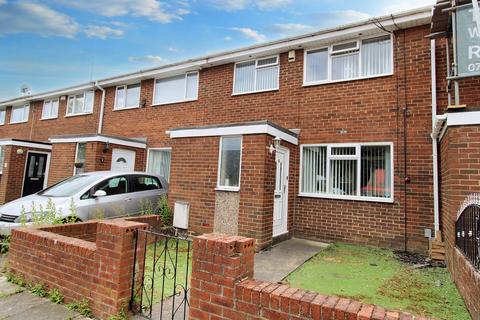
(323, 136)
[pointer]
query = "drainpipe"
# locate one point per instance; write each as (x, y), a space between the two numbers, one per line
(436, 213)
(102, 107)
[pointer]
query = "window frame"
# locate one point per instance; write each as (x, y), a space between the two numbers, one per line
(147, 167)
(84, 101)
(43, 109)
(136, 176)
(2, 158)
(358, 148)
(27, 106)
(154, 103)
(255, 79)
(219, 164)
(4, 117)
(76, 158)
(125, 87)
(345, 52)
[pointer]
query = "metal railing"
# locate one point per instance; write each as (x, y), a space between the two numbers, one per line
(467, 233)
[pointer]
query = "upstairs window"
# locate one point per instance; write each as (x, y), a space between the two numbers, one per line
(229, 163)
(50, 109)
(2, 116)
(20, 114)
(127, 96)
(350, 60)
(357, 172)
(80, 103)
(176, 89)
(256, 75)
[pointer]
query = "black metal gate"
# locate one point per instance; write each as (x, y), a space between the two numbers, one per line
(161, 275)
(467, 235)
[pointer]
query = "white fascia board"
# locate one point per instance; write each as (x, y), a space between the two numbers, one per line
(121, 142)
(463, 118)
(234, 130)
(25, 144)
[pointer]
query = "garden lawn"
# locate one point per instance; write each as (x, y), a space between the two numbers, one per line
(166, 283)
(374, 276)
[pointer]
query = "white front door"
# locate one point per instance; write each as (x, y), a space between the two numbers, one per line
(123, 160)
(280, 201)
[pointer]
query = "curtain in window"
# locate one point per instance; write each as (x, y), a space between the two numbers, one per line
(133, 96)
(88, 102)
(78, 106)
(376, 171)
(376, 56)
(20, 114)
(170, 89)
(120, 98)
(317, 65)
(267, 78)
(314, 167)
(159, 162)
(230, 161)
(345, 66)
(192, 86)
(245, 77)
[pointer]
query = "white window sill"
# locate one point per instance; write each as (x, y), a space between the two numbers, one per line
(343, 197)
(51, 118)
(228, 189)
(78, 114)
(18, 122)
(318, 83)
(129, 108)
(256, 91)
(173, 102)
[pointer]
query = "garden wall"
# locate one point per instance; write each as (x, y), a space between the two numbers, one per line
(222, 288)
(91, 260)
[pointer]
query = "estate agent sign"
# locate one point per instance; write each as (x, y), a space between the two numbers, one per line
(468, 40)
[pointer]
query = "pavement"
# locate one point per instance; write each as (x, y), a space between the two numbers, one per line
(277, 262)
(17, 303)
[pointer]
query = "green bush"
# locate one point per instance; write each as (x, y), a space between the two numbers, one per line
(81, 307)
(55, 296)
(38, 290)
(4, 244)
(164, 211)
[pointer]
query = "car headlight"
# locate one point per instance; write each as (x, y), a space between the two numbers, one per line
(24, 218)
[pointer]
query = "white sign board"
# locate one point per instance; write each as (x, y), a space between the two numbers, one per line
(468, 41)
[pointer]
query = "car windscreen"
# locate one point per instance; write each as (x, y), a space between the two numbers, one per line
(69, 187)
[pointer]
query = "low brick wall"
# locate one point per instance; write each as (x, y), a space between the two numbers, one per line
(91, 260)
(222, 288)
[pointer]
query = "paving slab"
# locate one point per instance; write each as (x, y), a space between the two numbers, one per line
(7, 288)
(277, 262)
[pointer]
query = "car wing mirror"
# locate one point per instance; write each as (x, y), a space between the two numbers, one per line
(99, 194)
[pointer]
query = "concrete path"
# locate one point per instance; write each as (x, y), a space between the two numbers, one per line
(18, 303)
(167, 310)
(277, 262)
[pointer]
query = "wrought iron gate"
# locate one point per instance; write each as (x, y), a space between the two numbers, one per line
(467, 237)
(161, 275)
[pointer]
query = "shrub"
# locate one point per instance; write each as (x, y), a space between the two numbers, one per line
(81, 307)
(164, 211)
(38, 290)
(4, 244)
(55, 296)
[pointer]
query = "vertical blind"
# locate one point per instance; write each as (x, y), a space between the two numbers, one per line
(257, 75)
(376, 56)
(317, 66)
(245, 77)
(159, 162)
(175, 89)
(343, 176)
(345, 66)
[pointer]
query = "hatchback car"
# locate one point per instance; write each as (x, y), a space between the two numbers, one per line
(101, 194)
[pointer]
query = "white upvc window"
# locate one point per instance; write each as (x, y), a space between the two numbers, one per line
(229, 163)
(3, 113)
(159, 160)
(356, 59)
(175, 89)
(127, 96)
(256, 75)
(347, 171)
(80, 157)
(50, 109)
(2, 158)
(80, 104)
(20, 114)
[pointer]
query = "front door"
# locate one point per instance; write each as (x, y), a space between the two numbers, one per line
(34, 178)
(123, 160)
(280, 201)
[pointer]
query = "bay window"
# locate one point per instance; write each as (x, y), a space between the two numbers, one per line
(80, 104)
(50, 109)
(350, 60)
(20, 114)
(179, 88)
(229, 163)
(256, 75)
(159, 162)
(356, 171)
(127, 96)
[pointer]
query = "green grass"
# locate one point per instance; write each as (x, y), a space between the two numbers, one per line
(166, 283)
(373, 275)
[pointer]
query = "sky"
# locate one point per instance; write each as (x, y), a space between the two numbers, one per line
(52, 44)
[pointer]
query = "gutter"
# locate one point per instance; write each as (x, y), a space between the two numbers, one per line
(102, 107)
(436, 205)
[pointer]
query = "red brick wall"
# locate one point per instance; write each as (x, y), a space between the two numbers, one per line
(222, 288)
(460, 176)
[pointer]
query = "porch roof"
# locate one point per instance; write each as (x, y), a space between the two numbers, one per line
(129, 142)
(25, 143)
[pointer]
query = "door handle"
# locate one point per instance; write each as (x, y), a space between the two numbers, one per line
(277, 196)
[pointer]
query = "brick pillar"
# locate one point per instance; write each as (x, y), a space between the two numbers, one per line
(115, 254)
(218, 263)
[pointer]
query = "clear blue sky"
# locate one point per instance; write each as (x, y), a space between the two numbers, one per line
(57, 43)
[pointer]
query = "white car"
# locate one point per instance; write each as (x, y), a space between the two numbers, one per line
(93, 195)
